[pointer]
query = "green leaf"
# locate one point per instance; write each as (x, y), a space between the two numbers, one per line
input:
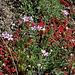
(29, 72)
(74, 64)
(38, 7)
(0, 62)
(61, 73)
(51, 31)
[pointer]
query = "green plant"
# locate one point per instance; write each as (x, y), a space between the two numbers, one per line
(48, 8)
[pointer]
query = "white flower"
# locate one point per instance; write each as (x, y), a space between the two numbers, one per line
(71, 54)
(51, 50)
(43, 51)
(50, 53)
(66, 27)
(65, 68)
(32, 66)
(38, 65)
(3, 64)
(73, 40)
(43, 29)
(29, 65)
(62, 47)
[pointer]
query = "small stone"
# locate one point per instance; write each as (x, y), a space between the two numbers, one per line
(13, 24)
(10, 3)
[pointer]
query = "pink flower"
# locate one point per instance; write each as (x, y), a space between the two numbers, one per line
(10, 37)
(7, 36)
(45, 53)
(34, 28)
(39, 28)
(31, 18)
(65, 12)
(25, 18)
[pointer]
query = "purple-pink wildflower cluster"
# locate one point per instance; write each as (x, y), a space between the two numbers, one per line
(45, 53)
(65, 12)
(27, 18)
(36, 27)
(7, 36)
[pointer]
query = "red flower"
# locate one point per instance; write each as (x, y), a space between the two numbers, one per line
(46, 73)
(48, 27)
(64, 44)
(53, 22)
(69, 3)
(1, 45)
(10, 58)
(18, 22)
(56, 42)
(49, 22)
(9, 65)
(33, 24)
(65, 23)
(16, 38)
(59, 23)
(72, 10)
(68, 46)
(53, 36)
(41, 24)
(0, 51)
(46, 32)
(66, 38)
(55, 27)
(17, 31)
(56, 19)
(41, 20)
(66, 4)
(13, 70)
(7, 61)
(69, 32)
(70, 38)
(17, 34)
(19, 39)
(1, 73)
(61, 29)
(2, 56)
(59, 36)
(73, 72)
(62, 1)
